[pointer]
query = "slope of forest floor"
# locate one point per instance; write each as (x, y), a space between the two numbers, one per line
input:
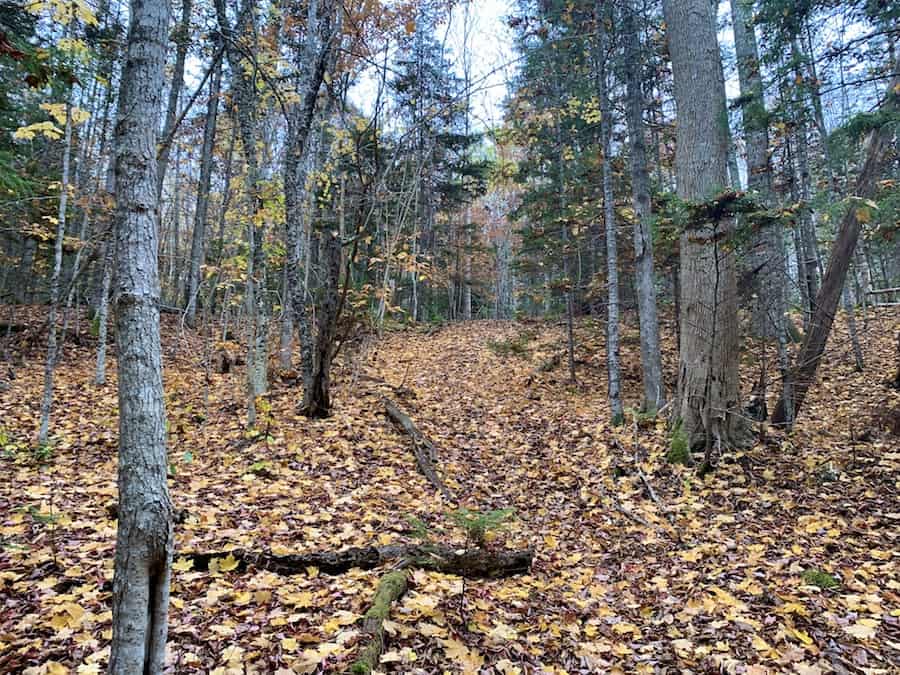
(785, 559)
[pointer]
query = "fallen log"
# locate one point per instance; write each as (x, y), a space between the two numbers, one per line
(423, 448)
(472, 563)
(390, 589)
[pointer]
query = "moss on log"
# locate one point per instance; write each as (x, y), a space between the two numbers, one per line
(391, 587)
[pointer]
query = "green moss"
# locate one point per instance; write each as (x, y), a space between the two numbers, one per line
(816, 577)
(514, 346)
(391, 587)
(679, 447)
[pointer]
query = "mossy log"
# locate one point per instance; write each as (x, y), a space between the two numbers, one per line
(472, 563)
(390, 589)
(423, 448)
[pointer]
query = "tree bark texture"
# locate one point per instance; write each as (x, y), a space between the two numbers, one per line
(613, 369)
(144, 539)
(767, 253)
(708, 384)
(644, 278)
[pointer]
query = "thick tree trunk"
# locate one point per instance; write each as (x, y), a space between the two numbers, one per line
(144, 540)
(644, 278)
(313, 62)
(803, 373)
(708, 385)
(198, 239)
(317, 398)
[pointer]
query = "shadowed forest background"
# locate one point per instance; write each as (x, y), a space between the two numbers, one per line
(449, 336)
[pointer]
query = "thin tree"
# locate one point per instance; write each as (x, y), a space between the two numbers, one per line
(50, 364)
(644, 277)
(613, 371)
(144, 540)
(198, 238)
(826, 302)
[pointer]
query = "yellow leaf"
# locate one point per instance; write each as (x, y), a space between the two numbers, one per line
(624, 627)
(233, 655)
(430, 630)
(863, 629)
(228, 564)
(506, 667)
(800, 635)
(760, 645)
(48, 129)
(183, 565)
(289, 644)
(502, 633)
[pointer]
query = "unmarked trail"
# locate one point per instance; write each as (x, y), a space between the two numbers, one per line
(614, 585)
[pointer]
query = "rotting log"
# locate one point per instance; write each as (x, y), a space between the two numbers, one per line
(390, 589)
(423, 448)
(472, 563)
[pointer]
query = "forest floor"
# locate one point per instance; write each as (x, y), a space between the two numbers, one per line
(785, 559)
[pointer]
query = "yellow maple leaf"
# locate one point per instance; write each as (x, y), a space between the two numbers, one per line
(228, 564)
(183, 565)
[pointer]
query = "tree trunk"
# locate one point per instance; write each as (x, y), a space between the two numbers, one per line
(103, 309)
(708, 385)
(767, 244)
(50, 365)
(317, 398)
(644, 278)
(198, 239)
(182, 38)
(286, 339)
(803, 373)
(144, 540)
(850, 309)
(246, 103)
(312, 64)
(613, 371)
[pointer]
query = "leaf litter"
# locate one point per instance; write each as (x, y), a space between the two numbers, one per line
(785, 559)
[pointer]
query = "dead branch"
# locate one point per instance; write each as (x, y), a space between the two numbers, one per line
(423, 448)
